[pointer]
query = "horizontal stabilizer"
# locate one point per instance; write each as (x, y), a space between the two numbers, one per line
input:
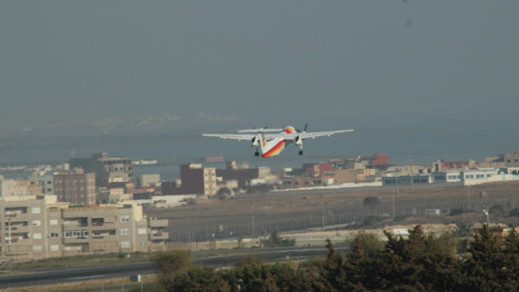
(260, 130)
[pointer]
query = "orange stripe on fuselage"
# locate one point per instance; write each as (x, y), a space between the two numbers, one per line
(275, 150)
(289, 130)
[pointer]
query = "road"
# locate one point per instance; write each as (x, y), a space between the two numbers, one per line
(227, 259)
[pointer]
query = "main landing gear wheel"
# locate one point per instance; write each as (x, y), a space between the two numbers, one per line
(300, 152)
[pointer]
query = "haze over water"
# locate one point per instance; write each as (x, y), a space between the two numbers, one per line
(417, 80)
(404, 146)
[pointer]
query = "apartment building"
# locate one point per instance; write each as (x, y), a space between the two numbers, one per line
(39, 227)
(17, 187)
(44, 180)
(108, 169)
(75, 186)
(198, 180)
(511, 159)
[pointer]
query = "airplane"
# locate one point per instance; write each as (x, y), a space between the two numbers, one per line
(271, 143)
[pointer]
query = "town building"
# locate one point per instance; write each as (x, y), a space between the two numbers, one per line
(148, 180)
(354, 175)
(312, 174)
(108, 170)
(511, 159)
(75, 186)
(377, 161)
(17, 188)
(37, 227)
(493, 161)
(441, 165)
(243, 175)
(197, 179)
(44, 180)
(454, 176)
(406, 180)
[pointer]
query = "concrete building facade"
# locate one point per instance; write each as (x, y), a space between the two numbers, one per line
(107, 169)
(39, 227)
(511, 159)
(17, 188)
(75, 186)
(198, 180)
(45, 181)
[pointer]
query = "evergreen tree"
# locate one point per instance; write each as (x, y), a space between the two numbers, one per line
(486, 268)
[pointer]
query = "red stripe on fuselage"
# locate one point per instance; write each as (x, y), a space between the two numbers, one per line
(274, 150)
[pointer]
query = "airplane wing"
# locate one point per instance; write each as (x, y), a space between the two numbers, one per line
(238, 137)
(294, 136)
(313, 135)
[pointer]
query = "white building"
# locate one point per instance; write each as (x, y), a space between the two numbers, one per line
(147, 180)
(44, 180)
(447, 176)
(481, 176)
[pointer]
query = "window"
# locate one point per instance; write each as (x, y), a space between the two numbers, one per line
(125, 231)
(54, 235)
(37, 248)
(36, 236)
(54, 247)
(125, 218)
(36, 210)
(125, 244)
(53, 222)
(36, 222)
(142, 231)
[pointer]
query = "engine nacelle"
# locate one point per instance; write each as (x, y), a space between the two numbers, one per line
(299, 141)
(255, 141)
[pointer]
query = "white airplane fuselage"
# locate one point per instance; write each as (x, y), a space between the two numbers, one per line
(270, 144)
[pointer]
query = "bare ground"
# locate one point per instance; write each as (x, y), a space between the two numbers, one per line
(259, 214)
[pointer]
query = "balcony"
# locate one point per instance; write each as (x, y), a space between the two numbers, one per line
(104, 226)
(159, 236)
(76, 213)
(79, 239)
(104, 237)
(18, 216)
(18, 229)
(71, 227)
(158, 223)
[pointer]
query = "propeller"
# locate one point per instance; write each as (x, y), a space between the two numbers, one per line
(304, 129)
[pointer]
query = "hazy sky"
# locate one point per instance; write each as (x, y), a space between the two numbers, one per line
(219, 64)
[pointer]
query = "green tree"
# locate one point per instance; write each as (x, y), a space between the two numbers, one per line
(199, 278)
(416, 263)
(485, 268)
(171, 263)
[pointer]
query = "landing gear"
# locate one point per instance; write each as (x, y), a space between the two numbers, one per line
(256, 153)
(300, 152)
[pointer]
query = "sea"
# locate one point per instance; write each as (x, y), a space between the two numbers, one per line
(403, 146)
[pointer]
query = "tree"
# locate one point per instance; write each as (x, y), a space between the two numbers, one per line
(366, 244)
(224, 194)
(483, 269)
(199, 278)
(171, 263)
(275, 240)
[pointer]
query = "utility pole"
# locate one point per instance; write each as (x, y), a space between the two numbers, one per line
(412, 173)
(10, 236)
(485, 211)
(252, 220)
(322, 211)
(393, 203)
